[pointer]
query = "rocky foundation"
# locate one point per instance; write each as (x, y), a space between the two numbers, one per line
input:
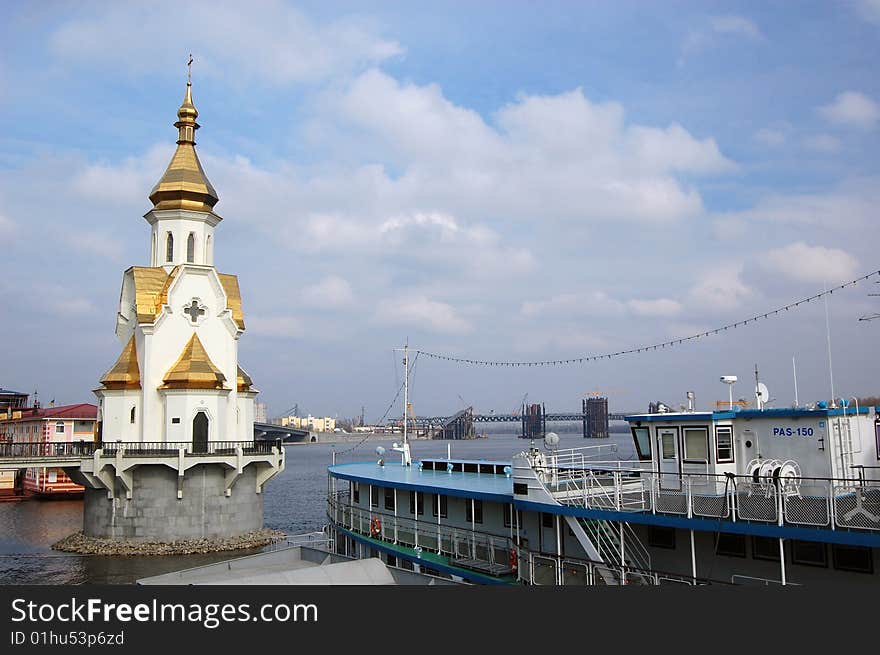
(83, 545)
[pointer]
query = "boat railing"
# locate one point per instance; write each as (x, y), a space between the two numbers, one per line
(476, 549)
(543, 569)
(570, 457)
(832, 503)
(765, 582)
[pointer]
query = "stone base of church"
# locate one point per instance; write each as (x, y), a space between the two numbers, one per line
(163, 507)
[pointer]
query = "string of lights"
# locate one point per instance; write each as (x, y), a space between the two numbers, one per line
(656, 346)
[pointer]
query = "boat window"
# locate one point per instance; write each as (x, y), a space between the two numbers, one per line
(696, 445)
(389, 499)
(852, 558)
(809, 553)
(642, 439)
(507, 511)
(723, 444)
(477, 513)
(877, 438)
(439, 500)
(520, 488)
(667, 440)
(412, 502)
(732, 545)
(356, 491)
(546, 520)
(374, 496)
(765, 548)
(661, 537)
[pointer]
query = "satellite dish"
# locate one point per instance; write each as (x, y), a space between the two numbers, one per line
(551, 440)
(762, 393)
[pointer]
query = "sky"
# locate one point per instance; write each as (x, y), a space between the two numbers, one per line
(509, 181)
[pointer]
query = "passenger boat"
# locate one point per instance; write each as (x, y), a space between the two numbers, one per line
(787, 496)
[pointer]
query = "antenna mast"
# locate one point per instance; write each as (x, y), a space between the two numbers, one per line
(828, 340)
(403, 449)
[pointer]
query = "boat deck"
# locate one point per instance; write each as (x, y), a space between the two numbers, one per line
(481, 486)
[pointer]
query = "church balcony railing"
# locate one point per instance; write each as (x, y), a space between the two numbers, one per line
(30, 449)
(190, 449)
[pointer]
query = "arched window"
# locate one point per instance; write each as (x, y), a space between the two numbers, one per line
(191, 248)
(132, 416)
(169, 248)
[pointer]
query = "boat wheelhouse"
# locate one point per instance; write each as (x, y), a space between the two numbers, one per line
(770, 496)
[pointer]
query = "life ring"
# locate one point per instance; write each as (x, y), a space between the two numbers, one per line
(514, 560)
(375, 527)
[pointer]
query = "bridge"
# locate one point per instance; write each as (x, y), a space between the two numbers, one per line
(516, 418)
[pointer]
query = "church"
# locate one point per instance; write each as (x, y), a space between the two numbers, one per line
(177, 456)
(177, 378)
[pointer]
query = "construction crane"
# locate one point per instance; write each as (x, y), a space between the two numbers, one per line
(522, 404)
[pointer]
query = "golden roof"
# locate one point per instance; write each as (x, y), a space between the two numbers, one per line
(151, 293)
(233, 297)
(125, 374)
(184, 184)
(244, 380)
(193, 369)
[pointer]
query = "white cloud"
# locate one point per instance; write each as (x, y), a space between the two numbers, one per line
(332, 291)
(852, 109)
(558, 157)
(869, 10)
(596, 303)
(263, 40)
(127, 182)
(422, 312)
(718, 27)
(96, 243)
(657, 307)
(852, 204)
(822, 143)
(275, 326)
(736, 25)
(769, 137)
(572, 305)
(719, 289)
(804, 263)
(8, 229)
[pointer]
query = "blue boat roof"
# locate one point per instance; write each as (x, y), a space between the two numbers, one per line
(480, 486)
(775, 412)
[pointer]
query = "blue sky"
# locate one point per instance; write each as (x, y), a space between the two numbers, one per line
(493, 180)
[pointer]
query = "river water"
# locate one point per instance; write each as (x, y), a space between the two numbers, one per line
(294, 503)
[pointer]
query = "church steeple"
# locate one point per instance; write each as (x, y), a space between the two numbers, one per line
(184, 184)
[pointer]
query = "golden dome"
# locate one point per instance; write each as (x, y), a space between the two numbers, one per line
(126, 373)
(244, 380)
(184, 184)
(193, 369)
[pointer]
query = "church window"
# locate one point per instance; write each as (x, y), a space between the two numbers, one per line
(169, 248)
(131, 419)
(191, 248)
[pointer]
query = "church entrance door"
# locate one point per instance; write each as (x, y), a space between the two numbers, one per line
(200, 433)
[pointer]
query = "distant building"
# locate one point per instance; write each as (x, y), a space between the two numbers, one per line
(63, 424)
(12, 399)
(313, 423)
(260, 413)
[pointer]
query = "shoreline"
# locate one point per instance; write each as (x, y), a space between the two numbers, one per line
(82, 545)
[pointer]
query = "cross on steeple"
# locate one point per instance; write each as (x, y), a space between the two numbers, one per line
(194, 311)
(189, 69)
